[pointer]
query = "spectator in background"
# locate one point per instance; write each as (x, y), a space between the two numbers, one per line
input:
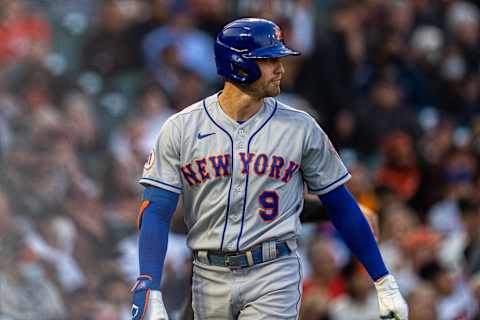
(421, 247)
(468, 106)
(154, 108)
(470, 212)
(325, 282)
(298, 15)
(189, 88)
(399, 16)
(436, 142)
(303, 26)
(327, 78)
(359, 302)
(26, 292)
(475, 287)
(211, 15)
(422, 303)
(432, 147)
(84, 133)
(462, 19)
(461, 250)
(455, 300)
(391, 114)
(81, 302)
(5, 135)
(152, 14)
(426, 87)
(130, 144)
(391, 55)
(25, 34)
(107, 51)
(362, 184)
(461, 56)
(114, 293)
(44, 242)
(7, 222)
(179, 39)
(399, 170)
(345, 130)
(94, 237)
(458, 171)
(397, 223)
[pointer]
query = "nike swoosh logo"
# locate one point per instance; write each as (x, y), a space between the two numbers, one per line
(201, 136)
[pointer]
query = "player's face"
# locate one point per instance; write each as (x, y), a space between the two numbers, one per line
(268, 85)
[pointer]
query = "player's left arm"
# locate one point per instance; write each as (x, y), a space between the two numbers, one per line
(312, 206)
(350, 222)
(325, 175)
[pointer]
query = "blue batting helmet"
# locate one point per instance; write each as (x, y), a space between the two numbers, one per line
(243, 40)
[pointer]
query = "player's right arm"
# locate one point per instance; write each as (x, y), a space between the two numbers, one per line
(154, 220)
(162, 188)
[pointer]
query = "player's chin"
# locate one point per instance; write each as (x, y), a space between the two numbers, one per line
(273, 90)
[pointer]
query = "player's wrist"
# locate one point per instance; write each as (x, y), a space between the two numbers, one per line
(145, 282)
(386, 283)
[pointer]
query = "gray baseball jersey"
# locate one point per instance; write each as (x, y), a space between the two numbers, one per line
(242, 183)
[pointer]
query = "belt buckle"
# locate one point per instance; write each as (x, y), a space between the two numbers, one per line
(233, 261)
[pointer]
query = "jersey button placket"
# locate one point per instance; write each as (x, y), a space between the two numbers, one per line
(239, 177)
(241, 135)
(242, 132)
(238, 180)
(236, 217)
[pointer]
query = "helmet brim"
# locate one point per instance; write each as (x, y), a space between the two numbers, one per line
(271, 52)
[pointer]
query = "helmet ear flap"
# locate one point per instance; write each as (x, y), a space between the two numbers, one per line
(233, 66)
(246, 73)
(242, 72)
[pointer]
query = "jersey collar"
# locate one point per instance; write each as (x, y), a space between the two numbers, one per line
(213, 108)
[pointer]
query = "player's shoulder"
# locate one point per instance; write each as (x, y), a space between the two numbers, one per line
(184, 115)
(293, 114)
(298, 119)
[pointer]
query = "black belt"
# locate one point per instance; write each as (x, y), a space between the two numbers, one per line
(238, 260)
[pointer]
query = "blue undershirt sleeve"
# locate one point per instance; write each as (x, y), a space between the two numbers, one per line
(154, 229)
(350, 222)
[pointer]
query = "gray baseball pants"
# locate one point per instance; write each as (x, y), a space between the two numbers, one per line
(269, 290)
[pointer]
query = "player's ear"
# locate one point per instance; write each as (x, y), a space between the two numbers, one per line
(141, 210)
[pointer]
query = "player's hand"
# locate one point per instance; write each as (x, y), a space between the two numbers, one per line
(147, 301)
(390, 301)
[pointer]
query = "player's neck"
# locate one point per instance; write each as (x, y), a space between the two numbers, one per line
(238, 104)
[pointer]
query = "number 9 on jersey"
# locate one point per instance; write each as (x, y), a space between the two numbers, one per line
(268, 201)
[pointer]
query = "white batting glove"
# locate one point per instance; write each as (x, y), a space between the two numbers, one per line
(390, 301)
(156, 308)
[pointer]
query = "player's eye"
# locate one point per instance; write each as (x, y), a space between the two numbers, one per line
(268, 60)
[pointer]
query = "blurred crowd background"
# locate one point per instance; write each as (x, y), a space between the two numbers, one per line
(85, 86)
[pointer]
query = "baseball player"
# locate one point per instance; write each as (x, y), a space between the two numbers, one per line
(241, 159)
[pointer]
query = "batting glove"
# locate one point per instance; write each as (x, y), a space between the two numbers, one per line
(147, 301)
(390, 301)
